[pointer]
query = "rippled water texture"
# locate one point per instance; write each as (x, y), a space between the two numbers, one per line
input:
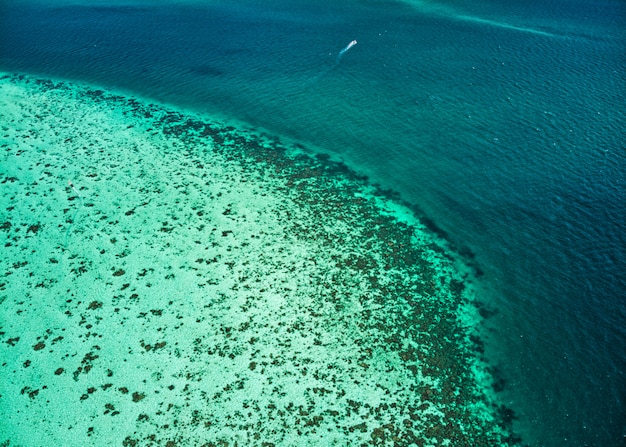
(500, 125)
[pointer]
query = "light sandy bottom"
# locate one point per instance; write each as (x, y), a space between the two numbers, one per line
(169, 281)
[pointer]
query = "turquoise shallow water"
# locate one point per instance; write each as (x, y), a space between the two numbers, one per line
(501, 123)
(174, 281)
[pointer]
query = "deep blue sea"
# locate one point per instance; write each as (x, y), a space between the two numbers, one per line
(501, 122)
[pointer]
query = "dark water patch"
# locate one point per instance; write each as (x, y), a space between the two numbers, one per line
(206, 70)
(102, 9)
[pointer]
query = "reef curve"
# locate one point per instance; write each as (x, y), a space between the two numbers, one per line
(170, 280)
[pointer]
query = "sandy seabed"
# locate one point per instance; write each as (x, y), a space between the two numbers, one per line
(171, 281)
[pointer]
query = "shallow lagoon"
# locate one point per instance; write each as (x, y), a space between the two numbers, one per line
(169, 280)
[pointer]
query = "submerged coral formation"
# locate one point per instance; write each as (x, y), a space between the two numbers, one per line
(172, 281)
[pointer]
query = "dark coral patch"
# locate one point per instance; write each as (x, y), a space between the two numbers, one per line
(33, 228)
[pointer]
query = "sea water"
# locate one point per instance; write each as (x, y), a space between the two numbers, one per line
(501, 126)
